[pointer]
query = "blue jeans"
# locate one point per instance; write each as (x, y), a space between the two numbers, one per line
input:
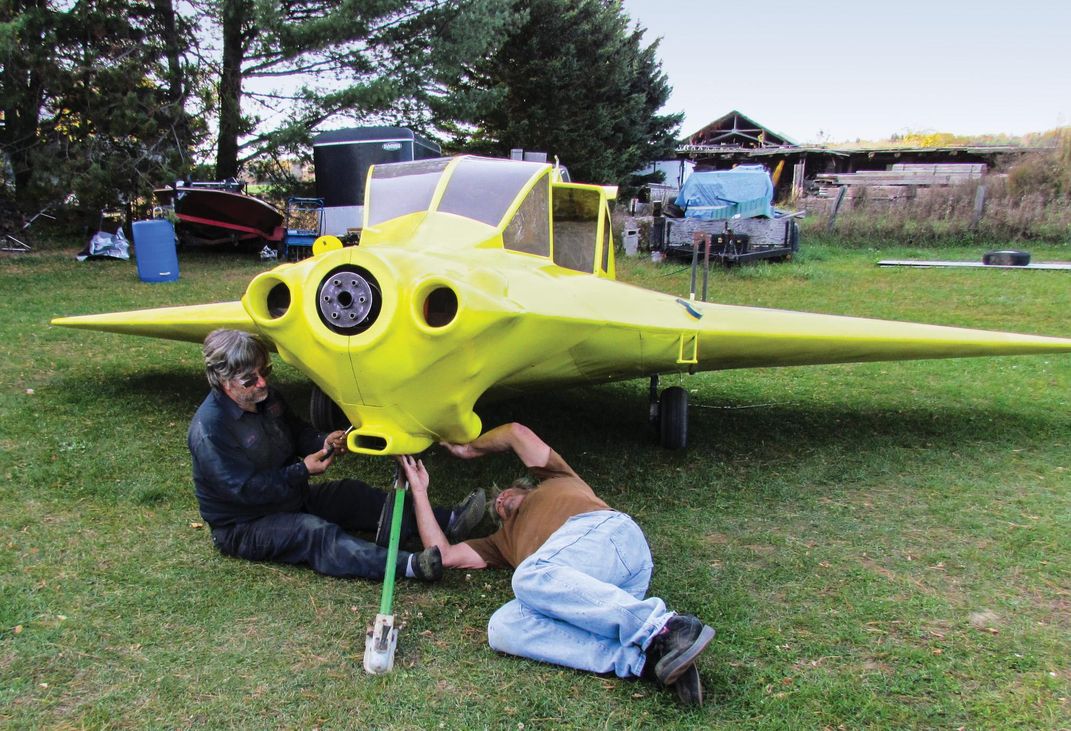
(318, 536)
(580, 598)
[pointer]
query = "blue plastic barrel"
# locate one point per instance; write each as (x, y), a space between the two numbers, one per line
(154, 251)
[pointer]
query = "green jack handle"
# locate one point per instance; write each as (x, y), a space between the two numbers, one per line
(400, 486)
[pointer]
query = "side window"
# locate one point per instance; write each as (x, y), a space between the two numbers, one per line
(529, 231)
(576, 228)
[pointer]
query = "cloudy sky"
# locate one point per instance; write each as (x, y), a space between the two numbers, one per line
(838, 70)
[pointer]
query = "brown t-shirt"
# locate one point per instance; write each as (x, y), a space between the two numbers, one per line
(561, 494)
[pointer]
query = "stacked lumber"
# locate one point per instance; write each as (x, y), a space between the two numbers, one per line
(899, 181)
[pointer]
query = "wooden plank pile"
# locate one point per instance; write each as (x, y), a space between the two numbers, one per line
(901, 180)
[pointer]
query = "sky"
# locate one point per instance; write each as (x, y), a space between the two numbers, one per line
(840, 71)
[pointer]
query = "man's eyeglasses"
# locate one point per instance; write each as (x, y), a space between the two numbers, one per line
(250, 379)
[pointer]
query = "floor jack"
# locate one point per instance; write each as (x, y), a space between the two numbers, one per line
(382, 640)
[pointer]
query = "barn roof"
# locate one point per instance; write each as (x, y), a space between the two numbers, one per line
(737, 130)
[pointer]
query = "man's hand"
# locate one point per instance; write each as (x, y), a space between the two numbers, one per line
(415, 473)
(336, 440)
(531, 450)
(318, 462)
(455, 556)
(464, 451)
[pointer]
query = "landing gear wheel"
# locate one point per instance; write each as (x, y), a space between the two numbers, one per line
(673, 418)
(324, 414)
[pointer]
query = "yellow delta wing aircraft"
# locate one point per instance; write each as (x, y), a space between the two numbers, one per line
(482, 276)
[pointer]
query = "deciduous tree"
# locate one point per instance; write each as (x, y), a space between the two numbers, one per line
(286, 66)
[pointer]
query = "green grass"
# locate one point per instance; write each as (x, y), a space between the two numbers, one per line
(879, 546)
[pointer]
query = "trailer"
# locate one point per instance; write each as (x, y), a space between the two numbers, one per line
(341, 159)
(728, 216)
(732, 242)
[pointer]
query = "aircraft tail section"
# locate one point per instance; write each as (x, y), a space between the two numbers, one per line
(191, 323)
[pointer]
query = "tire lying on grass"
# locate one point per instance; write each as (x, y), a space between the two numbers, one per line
(1007, 258)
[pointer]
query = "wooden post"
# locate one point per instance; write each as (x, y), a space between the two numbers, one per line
(836, 207)
(697, 240)
(979, 206)
(798, 172)
(706, 265)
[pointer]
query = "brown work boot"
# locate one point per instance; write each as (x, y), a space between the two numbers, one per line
(675, 648)
(466, 515)
(689, 688)
(428, 564)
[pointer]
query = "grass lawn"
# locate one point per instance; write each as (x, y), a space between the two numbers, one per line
(879, 546)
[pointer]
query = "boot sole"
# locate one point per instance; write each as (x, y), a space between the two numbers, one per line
(672, 670)
(689, 696)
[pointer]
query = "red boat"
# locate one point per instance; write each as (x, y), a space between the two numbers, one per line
(220, 213)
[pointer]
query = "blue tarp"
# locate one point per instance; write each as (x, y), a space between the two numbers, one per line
(746, 191)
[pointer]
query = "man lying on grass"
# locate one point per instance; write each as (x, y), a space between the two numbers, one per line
(252, 459)
(581, 572)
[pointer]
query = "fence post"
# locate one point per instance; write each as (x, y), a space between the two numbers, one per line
(979, 206)
(836, 207)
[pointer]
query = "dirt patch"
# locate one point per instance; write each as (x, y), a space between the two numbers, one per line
(760, 549)
(985, 620)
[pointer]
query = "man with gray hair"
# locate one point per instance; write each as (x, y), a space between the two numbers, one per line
(252, 481)
(581, 572)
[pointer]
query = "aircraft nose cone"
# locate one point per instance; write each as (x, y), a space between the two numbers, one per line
(349, 300)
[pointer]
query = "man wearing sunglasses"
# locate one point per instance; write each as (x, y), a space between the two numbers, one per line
(252, 459)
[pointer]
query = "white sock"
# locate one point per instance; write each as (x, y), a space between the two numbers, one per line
(409, 573)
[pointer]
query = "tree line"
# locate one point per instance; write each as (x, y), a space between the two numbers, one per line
(107, 99)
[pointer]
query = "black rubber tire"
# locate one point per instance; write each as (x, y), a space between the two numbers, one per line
(1007, 258)
(324, 414)
(673, 417)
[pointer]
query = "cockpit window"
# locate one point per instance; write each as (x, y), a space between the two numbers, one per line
(529, 231)
(576, 227)
(483, 188)
(401, 188)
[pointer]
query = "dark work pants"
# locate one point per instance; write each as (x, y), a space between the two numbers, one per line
(318, 536)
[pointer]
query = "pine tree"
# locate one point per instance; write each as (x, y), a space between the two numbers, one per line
(572, 80)
(97, 103)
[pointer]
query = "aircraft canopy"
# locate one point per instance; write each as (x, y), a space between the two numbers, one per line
(479, 188)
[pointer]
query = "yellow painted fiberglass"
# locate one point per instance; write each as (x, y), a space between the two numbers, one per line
(478, 276)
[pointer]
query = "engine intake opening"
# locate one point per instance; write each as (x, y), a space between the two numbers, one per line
(371, 443)
(278, 301)
(440, 307)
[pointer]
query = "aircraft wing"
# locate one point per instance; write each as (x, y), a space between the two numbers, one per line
(608, 331)
(191, 323)
(748, 337)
